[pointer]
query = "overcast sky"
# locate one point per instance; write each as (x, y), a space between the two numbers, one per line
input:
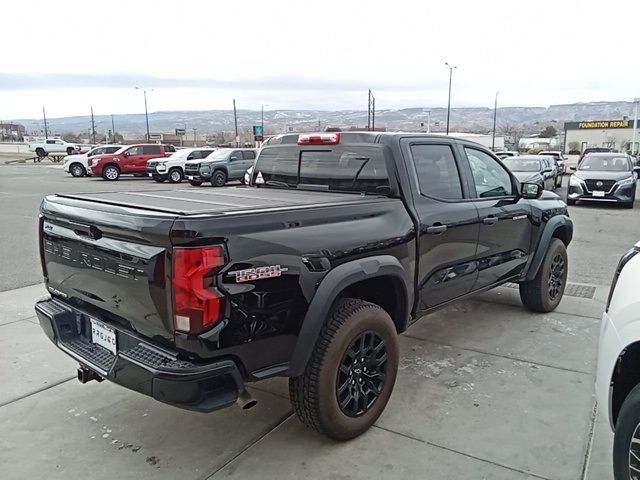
(198, 55)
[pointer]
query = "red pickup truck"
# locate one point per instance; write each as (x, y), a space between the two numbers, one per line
(129, 159)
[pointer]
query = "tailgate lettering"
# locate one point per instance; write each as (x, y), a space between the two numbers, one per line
(93, 261)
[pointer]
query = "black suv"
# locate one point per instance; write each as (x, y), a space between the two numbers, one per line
(342, 242)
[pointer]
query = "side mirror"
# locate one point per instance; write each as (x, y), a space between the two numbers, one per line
(637, 169)
(573, 168)
(190, 157)
(530, 190)
(233, 158)
(126, 154)
(547, 170)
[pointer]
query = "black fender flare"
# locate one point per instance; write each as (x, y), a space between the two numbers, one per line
(550, 228)
(330, 287)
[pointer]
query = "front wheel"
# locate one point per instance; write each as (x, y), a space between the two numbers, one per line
(175, 175)
(570, 201)
(351, 373)
(559, 181)
(77, 170)
(159, 179)
(544, 292)
(40, 152)
(219, 178)
(626, 441)
(195, 183)
(111, 173)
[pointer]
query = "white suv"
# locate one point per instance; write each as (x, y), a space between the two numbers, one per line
(618, 378)
(78, 165)
(172, 168)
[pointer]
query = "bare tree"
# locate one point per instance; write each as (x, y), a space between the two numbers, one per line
(511, 131)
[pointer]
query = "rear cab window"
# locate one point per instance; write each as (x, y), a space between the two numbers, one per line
(342, 167)
(151, 150)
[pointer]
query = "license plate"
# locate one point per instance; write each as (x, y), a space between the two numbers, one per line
(189, 177)
(597, 193)
(103, 335)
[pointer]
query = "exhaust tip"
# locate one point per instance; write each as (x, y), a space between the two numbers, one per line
(246, 401)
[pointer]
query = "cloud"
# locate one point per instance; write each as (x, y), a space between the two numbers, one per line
(13, 82)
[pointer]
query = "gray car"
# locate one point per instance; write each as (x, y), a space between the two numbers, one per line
(221, 166)
(533, 169)
(604, 177)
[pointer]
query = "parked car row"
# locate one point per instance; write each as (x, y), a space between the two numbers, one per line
(163, 162)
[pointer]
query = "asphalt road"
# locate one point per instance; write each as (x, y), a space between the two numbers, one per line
(602, 231)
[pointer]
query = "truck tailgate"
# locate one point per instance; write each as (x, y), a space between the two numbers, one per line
(109, 261)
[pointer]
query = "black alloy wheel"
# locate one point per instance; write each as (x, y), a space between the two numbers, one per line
(556, 276)
(362, 374)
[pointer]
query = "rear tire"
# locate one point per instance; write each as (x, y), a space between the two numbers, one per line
(219, 178)
(77, 170)
(195, 183)
(40, 152)
(544, 292)
(70, 151)
(627, 429)
(175, 175)
(351, 372)
(111, 173)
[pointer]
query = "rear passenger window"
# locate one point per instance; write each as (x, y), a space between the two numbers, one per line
(151, 150)
(437, 171)
(169, 148)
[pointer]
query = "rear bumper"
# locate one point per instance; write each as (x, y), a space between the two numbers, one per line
(140, 365)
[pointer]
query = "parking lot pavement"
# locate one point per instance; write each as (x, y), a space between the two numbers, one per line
(485, 390)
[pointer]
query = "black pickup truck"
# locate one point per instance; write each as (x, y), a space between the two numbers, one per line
(340, 243)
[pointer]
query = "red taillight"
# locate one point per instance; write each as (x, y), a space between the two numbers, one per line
(319, 139)
(197, 304)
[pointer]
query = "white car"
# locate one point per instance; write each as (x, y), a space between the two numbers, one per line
(53, 145)
(618, 377)
(172, 168)
(78, 165)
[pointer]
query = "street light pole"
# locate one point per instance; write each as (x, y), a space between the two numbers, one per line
(146, 112)
(194, 136)
(428, 121)
(449, 101)
(635, 126)
(113, 130)
(495, 112)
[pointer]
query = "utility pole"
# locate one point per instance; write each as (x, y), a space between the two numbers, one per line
(113, 130)
(262, 118)
(46, 131)
(93, 128)
(449, 101)
(369, 111)
(146, 112)
(373, 114)
(635, 126)
(428, 121)
(194, 136)
(235, 121)
(495, 113)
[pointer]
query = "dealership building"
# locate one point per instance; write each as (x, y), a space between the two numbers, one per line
(614, 134)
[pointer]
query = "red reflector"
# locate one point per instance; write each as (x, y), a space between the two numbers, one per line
(197, 305)
(319, 139)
